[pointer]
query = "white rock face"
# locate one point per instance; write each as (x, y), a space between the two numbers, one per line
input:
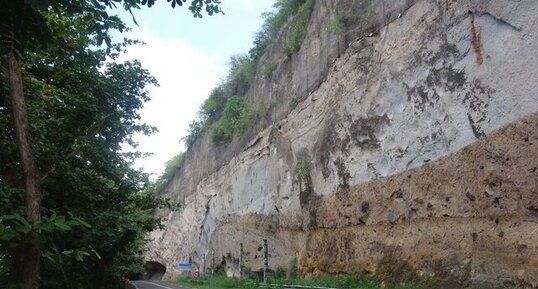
(424, 86)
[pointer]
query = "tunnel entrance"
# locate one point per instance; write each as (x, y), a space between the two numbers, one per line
(154, 270)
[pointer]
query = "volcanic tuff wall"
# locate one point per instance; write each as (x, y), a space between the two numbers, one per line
(420, 122)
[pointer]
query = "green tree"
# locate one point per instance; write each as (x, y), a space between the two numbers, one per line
(242, 70)
(237, 116)
(213, 106)
(172, 166)
(35, 67)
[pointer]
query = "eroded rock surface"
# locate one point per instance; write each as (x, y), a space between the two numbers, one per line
(420, 121)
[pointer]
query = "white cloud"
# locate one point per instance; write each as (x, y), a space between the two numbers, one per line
(185, 77)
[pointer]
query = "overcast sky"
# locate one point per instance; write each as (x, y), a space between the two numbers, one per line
(188, 56)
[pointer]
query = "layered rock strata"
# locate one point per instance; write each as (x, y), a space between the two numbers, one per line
(411, 136)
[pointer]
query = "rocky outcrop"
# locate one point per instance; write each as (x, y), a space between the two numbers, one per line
(402, 130)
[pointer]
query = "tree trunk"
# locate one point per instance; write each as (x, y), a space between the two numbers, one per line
(30, 254)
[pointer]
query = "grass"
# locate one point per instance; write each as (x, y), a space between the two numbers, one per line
(218, 282)
(343, 282)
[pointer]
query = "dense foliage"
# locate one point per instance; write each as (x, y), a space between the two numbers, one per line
(295, 13)
(172, 166)
(228, 95)
(82, 106)
(237, 118)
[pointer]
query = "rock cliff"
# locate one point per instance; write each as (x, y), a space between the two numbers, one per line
(402, 131)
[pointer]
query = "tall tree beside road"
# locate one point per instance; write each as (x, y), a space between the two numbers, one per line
(65, 117)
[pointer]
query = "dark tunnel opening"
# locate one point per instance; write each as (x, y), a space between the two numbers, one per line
(154, 270)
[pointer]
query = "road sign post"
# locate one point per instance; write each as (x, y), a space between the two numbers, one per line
(240, 260)
(212, 263)
(265, 261)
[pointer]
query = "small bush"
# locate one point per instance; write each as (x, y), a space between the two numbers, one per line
(246, 118)
(211, 110)
(269, 68)
(238, 117)
(293, 269)
(221, 132)
(242, 70)
(279, 272)
(172, 166)
(303, 168)
(302, 171)
(196, 128)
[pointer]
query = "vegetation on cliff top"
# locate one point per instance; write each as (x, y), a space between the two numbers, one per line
(226, 114)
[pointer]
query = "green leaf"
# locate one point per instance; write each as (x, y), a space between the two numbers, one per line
(62, 226)
(79, 255)
(9, 235)
(96, 254)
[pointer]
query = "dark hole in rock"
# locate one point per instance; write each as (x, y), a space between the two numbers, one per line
(411, 213)
(398, 194)
(475, 236)
(470, 196)
(365, 207)
(154, 270)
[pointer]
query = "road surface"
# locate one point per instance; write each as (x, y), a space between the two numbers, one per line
(153, 285)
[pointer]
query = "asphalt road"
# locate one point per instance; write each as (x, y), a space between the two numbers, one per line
(153, 285)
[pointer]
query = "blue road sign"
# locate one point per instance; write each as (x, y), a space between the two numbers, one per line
(184, 266)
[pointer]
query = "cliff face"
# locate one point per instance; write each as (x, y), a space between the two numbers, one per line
(401, 132)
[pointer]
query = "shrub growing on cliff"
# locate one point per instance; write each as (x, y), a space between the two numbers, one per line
(211, 110)
(172, 166)
(297, 28)
(303, 168)
(293, 269)
(196, 128)
(242, 70)
(221, 133)
(302, 172)
(237, 118)
(351, 16)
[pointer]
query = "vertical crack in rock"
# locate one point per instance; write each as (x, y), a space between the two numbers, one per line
(475, 41)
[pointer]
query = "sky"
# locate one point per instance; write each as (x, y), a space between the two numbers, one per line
(188, 56)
